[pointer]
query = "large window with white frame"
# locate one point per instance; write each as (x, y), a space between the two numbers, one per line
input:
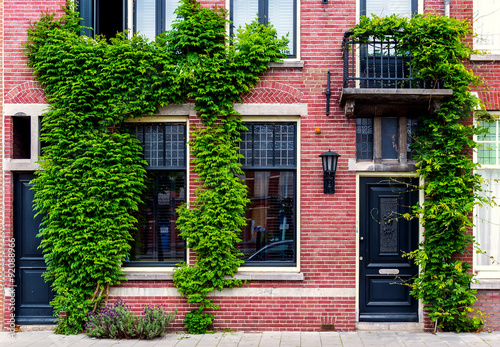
(282, 14)
(486, 17)
(156, 241)
(487, 218)
(270, 166)
(107, 17)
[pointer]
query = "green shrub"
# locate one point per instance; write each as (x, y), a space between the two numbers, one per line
(198, 322)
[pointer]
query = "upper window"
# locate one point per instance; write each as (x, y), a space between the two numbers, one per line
(486, 16)
(282, 14)
(107, 17)
(270, 167)
(385, 138)
(487, 218)
(383, 8)
(157, 241)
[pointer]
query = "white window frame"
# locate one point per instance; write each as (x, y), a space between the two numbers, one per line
(491, 271)
(297, 29)
(168, 114)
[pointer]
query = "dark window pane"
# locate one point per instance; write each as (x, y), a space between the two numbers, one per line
(157, 239)
(364, 138)
(390, 138)
(270, 231)
(21, 141)
(269, 145)
(164, 144)
(411, 130)
(103, 17)
(109, 17)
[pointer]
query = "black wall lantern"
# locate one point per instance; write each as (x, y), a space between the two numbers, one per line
(329, 160)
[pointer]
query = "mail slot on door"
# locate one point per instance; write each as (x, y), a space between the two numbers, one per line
(388, 271)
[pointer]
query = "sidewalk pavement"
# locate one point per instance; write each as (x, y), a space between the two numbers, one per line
(265, 339)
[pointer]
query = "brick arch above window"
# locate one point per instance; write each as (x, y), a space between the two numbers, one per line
(27, 93)
(273, 92)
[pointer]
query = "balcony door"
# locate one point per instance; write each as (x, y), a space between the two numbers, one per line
(382, 66)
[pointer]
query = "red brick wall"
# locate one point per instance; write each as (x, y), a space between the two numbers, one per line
(2, 281)
(489, 304)
(328, 228)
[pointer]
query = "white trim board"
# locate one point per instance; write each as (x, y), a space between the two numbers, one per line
(243, 292)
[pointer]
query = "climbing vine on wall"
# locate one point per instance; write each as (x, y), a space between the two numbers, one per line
(443, 152)
(92, 172)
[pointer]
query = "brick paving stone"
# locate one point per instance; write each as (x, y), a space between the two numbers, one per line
(265, 339)
(370, 338)
(390, 338)
(188, 340)
(209, 340)
(330, 339)
(310, 339)
(270, 339)
(230, 339)
(350, 339)
(250, 340)
(291, 339)
(69, 340)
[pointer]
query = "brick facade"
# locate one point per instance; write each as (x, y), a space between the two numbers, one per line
(328, 231)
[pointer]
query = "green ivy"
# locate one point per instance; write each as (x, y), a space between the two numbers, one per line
(92, 173)
(443, 148)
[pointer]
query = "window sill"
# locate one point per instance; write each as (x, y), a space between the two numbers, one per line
(149, 276)
(368, 166)
(484, 57)
(288, 64)
(242, 275)
(488, 284)
(269, 276)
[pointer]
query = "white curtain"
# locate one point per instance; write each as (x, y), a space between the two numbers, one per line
(281, 17)
(383, 8)
(146, 18)
(244, 11)
(487, 221)
(486, 18)
(170, 7)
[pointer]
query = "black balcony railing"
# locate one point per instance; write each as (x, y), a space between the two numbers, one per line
(382, 64)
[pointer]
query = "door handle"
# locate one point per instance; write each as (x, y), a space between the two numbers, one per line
(361, 238)
(360, 258)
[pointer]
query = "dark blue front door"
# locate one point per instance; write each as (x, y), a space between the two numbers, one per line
(32, 293)
(385, 234)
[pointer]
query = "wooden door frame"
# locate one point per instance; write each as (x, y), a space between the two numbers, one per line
(420, 232)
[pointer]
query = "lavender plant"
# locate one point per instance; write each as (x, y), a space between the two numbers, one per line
(118, 322)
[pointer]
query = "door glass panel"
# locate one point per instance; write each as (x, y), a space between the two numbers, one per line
(388, 231)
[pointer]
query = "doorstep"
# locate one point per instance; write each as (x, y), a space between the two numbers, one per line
(389, 326)
(35, 327)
